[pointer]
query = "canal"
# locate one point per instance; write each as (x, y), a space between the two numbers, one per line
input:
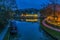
(30, 31)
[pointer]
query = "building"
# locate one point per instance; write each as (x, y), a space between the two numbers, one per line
(29, 17)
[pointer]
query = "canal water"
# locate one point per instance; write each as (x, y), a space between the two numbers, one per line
(31, 31)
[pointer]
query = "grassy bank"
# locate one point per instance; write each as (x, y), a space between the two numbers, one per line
(1, 29)
(51, 32)
(6, 36)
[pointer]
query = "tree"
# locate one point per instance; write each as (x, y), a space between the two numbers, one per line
(3, 19)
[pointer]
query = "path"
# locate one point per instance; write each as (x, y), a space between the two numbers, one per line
(50, 27)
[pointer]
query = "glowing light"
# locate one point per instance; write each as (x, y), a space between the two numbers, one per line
(32, 20)
(53, 20)
(35, 15)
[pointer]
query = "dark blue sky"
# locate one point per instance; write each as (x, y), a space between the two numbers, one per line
(22, 4)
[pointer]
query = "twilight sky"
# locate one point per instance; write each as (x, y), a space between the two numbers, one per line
(23, 4)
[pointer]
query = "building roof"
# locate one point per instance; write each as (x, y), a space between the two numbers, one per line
(57, 6)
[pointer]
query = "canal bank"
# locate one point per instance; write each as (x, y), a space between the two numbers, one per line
(53, 33)
(3, 33)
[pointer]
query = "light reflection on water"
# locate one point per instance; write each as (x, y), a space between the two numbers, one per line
(30, 31)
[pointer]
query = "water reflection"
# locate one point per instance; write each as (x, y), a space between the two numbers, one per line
(30, 31)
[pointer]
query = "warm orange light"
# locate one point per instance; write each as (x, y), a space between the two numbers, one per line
(35, 15)
(32, 20)
(53, 20)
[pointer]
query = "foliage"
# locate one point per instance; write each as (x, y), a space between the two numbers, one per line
(3, 17)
